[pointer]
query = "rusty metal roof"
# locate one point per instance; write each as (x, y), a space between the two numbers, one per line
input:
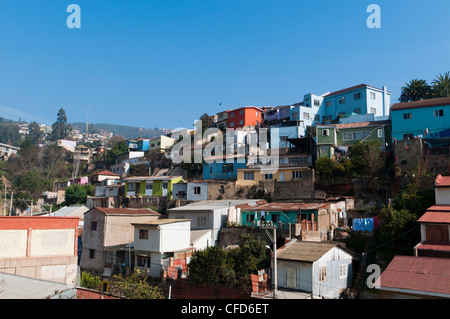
(436, 214)
(421, 274)
(276, 207)
(304, 251)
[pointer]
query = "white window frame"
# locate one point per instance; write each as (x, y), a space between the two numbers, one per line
(297, 174)
(323, 274)
(326, 132)
(343, 270)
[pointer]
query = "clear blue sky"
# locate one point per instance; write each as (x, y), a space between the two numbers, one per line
(163, 63)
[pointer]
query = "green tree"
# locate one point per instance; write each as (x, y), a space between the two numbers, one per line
(32, 182)
(415, 90)
(75, 194)
(367, 158)
(9, 133)
(441, 85)
(35, 134)
(137, 287)
(324, 169)
(61, 129)
(119, 148)
(90, 281)
(219, 267)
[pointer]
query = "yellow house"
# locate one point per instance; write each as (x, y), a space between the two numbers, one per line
(251, 176)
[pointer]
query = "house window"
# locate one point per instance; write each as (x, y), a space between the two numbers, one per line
(249, 176)
(149, 186)
(256, 113)
(165, 185)
(342, 271)
(322, 274)
(131, 186)
(232, 124)
(241, 112)
(357, 111)
(296, 174)
(202, 221)
(197, 190)
(317, 118)
(373, 110)
(326, 132)
(342, 100)
(241, 122)
(268, 176)
(342, 114)
(407, 116)
(438, 113)
(143, 261)
(316, 103)
(93, 225)
(250, 218)
(227, 168)
(354, 136)
(327, 118)
(306, 116)
(380, 133)
(91, 253)
(372, 96)
(295, 116)
(275, 218)
(328, 103)
(357, 96)
(143, 233)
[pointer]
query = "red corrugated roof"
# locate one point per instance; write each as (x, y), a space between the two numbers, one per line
(442, 181)
(422, 274)
(126, 211)
(429, 245)
(422, 103)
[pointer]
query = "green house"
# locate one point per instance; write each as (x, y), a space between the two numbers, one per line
(152, 185)
(333, 140)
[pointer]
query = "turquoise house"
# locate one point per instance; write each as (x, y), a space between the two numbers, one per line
(427, 118)
(286, 213)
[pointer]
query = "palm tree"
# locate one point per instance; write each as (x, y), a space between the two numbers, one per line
(441, 85)
(415, 90)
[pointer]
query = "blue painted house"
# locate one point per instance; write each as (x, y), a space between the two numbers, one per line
(427, 118)
(360, 99)
(143, 145)
(223, 167)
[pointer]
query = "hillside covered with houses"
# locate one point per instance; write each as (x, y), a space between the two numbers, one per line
(343, 194)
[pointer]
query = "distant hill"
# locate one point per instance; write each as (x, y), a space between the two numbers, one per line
(128, 132)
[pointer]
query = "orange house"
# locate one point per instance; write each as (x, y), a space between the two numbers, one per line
(245, 116)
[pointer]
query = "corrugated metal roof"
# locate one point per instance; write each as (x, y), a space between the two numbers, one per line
(18, 287)
(287, 207)
(424, 274)
(304, 251)
(126, 211)
(422, 103)
(151, 178)
(159, 222)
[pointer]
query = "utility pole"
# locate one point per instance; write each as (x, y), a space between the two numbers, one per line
(274, 251)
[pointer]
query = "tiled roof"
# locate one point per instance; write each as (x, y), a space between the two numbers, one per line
(442, 181)
(106, 172)
(436, 214)
(126, 211)
(422, 103)
(421, 274)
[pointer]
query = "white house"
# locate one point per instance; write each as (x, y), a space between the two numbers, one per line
(442, 190)
(155, 242)
(322, 269)
(209, 214)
